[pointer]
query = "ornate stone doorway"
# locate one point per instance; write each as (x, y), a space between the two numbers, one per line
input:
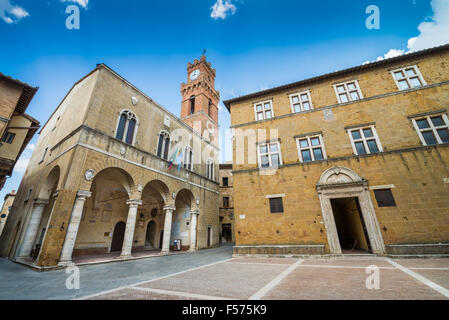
(338, 183)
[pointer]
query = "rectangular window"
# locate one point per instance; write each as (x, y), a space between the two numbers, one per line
(276, 205)
(407, 78)
(269, 155)
(8, 137)
(263, 110)
(311, 148)
(43, 155)
(365, 140)
(225, 182)
(225, 202)
(348, 91)
(384, 198)
(301, 102)
(432, 129)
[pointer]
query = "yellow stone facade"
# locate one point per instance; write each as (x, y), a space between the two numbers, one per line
(417, 174)
(81, 175)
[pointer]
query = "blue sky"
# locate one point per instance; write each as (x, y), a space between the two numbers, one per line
(253, 45)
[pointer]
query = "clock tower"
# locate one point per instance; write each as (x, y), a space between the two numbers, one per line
(199, 107)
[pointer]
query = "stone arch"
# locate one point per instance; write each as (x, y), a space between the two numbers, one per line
(339, 175)
(341, 182)
(181, 228)
(50, 184)
(161, 188)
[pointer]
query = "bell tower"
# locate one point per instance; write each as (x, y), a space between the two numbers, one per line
(199, 107)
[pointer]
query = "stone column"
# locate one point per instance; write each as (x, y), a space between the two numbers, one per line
(33, 225)
(72, 229)
(193, 225)
(167, 228)
(130, 227)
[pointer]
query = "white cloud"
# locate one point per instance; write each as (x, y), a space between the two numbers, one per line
(31, 147)
(82, 3)
(435, 31)
(11, 13)
(21, 165)
(221, 10)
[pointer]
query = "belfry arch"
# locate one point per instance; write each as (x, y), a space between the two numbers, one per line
(341, 183)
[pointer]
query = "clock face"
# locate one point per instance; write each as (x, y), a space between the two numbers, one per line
(195, 74)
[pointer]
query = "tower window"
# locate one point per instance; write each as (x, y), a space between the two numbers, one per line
(126, 127)
(209, 109)
(210, 169)
(163, 145)
(192, 104)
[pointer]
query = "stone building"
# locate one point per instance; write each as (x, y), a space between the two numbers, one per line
(113, 171)
(356, 161)
(16, 127)
(226, 203)
(6, 208)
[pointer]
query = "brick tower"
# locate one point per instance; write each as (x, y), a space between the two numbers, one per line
(199, 107)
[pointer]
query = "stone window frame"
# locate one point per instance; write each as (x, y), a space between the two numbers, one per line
(300, 101)
(210, 169)
(226, 202)
(130, 115)
(270, 153)
(310, 147)
(364, 139)
(432, 127)
(8, 137)
(44, 154)
(263, 111)
(188, 158)
(348, 91)
(166, 135)
(407, 78)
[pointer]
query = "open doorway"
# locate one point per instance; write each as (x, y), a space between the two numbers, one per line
(351, 228)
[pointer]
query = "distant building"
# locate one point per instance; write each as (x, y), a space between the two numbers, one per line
(226, 203)
(16, 127)
(6, 208)
(358, 161)
(115, 172)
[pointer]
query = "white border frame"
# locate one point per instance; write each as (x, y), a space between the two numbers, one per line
(263, 107)
(418, 73)
(323, 148)
(364, 139)
(433, 128)
(269, 154)
(300, 101)
(345, 84)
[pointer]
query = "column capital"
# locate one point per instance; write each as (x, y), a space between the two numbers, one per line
(83, 194)
(197, 212)
(41, 202)
(134, 203)
(169, 208)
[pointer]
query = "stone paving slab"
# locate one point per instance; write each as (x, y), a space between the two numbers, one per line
(265, 260)
(231, 280)
(353, 262)
(440, 277)
(132, 294)
(309, 283)
(424, 263)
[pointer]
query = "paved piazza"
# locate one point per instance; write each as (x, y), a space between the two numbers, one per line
(215, 275)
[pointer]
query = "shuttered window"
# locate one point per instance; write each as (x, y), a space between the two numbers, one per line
(384, 198)
(276, 205)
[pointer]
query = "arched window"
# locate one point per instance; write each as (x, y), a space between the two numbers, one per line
(126, 128)
(210, 169)
(163, 145)
(188, 158)
(192, 104)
